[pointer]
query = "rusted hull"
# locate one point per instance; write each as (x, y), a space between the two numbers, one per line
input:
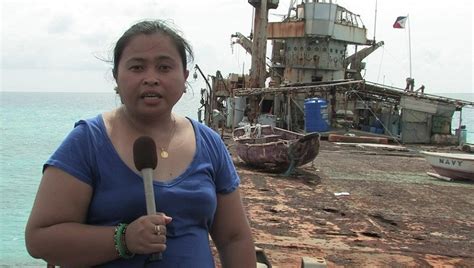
(285, 29)
(276, 148)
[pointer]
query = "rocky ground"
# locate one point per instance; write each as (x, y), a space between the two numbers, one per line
(390, 212)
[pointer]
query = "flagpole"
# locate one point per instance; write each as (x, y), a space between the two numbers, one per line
(409, 42)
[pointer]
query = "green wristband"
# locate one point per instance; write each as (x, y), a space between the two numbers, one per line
(120, 244)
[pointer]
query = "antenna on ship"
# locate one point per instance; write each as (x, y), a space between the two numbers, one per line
(375, 20)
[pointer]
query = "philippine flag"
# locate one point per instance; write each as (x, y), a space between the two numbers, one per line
(400, 22)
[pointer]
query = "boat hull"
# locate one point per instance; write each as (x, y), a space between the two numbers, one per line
(455, 166)
(276, 148)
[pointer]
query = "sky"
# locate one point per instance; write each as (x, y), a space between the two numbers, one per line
(63, 46)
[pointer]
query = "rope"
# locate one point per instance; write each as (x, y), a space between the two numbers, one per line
(380, 65)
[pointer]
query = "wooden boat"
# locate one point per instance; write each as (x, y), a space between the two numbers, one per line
(356, 139)
(271, 147)
(451, 165)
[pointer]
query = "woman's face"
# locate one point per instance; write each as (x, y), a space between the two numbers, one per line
(150, 78)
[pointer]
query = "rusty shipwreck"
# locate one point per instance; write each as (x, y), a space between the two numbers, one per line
(317, 52)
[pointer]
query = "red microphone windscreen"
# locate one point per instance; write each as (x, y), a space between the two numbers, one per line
(144, 153)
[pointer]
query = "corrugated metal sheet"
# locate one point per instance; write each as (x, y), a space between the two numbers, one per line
(285, 29)
(441, 125)
(417, 104)
(415, 126)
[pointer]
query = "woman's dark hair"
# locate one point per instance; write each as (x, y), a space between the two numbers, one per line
(149, 27)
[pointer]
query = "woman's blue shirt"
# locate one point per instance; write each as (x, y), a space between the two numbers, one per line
(118, 192)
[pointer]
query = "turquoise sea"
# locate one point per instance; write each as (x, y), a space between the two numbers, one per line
(32, 125)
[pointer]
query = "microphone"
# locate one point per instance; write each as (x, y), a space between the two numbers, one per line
(145, 159)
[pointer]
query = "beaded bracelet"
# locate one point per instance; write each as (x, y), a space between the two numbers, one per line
(120, 243)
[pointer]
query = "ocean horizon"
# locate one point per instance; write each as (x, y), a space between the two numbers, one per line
(33, 124)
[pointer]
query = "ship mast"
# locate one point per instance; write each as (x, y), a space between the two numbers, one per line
(259, 46)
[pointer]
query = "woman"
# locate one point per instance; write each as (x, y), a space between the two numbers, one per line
(90, 207)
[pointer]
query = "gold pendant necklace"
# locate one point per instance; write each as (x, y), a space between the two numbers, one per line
(164, 151)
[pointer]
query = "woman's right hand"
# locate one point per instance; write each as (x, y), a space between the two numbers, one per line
(147, 234)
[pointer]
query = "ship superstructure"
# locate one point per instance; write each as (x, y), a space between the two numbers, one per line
(317, 52)
(312, 45)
